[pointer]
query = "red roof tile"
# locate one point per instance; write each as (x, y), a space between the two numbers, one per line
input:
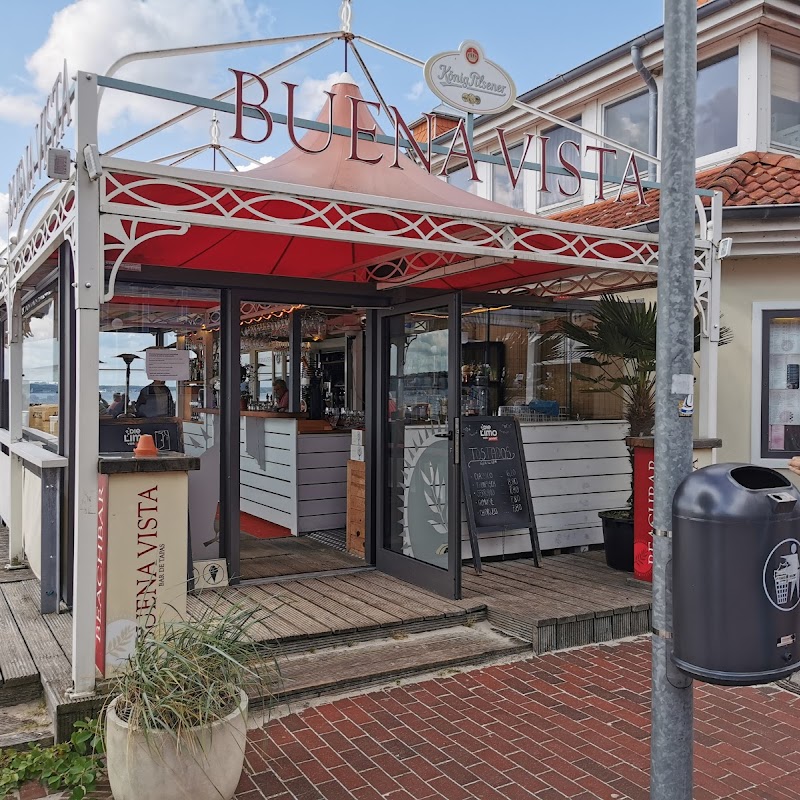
(750, 179)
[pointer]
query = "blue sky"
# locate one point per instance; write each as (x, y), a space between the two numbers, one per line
(534, 40)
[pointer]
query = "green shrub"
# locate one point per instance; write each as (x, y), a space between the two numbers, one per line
(73, 766)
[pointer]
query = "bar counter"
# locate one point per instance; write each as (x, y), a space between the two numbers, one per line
(292, 470)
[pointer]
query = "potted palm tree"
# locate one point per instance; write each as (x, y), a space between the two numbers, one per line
(619, 339)
(177, 724)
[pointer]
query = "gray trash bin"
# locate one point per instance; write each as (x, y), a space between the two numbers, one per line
(736, 575)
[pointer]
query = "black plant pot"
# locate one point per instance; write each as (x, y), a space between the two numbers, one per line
(618, 540)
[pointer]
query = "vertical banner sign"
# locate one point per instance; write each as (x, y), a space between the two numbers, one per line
(102, 572)
(643, 505)
(141, 559)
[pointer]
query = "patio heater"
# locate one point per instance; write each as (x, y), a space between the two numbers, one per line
(128, 358)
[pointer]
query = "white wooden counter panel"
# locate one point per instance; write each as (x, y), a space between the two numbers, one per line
(297, 480)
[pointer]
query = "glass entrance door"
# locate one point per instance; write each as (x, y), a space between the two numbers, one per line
(419, 491)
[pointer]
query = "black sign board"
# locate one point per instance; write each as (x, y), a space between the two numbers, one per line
(121, 435)
(498, 495)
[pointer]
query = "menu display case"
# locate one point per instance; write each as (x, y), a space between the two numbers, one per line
(780, 409)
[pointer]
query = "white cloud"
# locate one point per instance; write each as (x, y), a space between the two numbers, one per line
(92, 34)
(262, 160)
(20, 109)
(416, 91)
(309, 97)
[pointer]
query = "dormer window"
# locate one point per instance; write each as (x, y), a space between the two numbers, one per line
(785, 97)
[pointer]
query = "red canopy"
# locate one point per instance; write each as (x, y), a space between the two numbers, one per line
(328, 216)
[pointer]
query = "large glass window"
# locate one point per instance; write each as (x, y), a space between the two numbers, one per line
(462, 178)
(627, 122)
(502, 190)
(160, 375)
(516, 361)
(785, 99)
(561, 186)
(40, 361)
(717, 106)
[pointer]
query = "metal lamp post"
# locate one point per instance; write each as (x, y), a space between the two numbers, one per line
(672, 704)
(128, 358)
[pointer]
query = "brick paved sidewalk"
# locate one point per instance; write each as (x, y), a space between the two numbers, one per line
(566, 725)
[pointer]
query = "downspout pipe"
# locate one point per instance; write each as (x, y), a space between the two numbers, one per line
(652, 111)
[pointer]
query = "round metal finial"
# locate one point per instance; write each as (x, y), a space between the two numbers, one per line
(346, 16)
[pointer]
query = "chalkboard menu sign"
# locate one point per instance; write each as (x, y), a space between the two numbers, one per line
(495, 478)
(121, 435)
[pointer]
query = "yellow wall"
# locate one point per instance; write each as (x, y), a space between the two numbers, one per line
(745, 281)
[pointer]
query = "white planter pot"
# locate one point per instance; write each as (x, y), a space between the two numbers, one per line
(146, 769)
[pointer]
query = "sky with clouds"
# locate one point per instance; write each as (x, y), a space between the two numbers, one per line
(534, 40)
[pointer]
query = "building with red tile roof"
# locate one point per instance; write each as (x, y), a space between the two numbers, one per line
(747, 148)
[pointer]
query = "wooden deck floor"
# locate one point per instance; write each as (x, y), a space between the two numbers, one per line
(293, 555)
(35, 649)
(571, 600)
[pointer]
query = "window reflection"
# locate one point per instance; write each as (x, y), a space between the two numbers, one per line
(40, 361)
(627, 122)
(785, 112)
(502, 190)
(717, 106)
(562, 186)
(462, 179)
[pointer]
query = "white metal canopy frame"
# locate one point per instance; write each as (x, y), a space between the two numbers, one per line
(112, 210)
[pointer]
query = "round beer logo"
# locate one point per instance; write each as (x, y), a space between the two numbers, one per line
(472, 55)
(782, 575)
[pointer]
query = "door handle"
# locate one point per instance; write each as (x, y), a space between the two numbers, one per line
(448, 435)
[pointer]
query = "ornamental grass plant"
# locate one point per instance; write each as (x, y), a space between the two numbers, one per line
(186, 675)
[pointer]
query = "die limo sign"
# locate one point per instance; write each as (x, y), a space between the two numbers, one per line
(465, 79)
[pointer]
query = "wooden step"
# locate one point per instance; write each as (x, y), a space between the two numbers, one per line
(330, 671)
(24, 724)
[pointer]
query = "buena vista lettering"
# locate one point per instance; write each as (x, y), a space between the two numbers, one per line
(147, 550)
(49, 131)
(568, 154)
(474, 80)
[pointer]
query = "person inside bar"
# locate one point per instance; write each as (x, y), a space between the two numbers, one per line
(281, 395)
(155, 400)
(117, 405)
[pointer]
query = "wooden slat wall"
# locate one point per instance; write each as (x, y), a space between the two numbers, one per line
(322, 480)
(270, 493)
(303, 483)
(575, 470)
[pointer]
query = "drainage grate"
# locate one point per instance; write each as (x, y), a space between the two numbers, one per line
(336, 539)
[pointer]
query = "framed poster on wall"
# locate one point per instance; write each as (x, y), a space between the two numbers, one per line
(776, 384)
